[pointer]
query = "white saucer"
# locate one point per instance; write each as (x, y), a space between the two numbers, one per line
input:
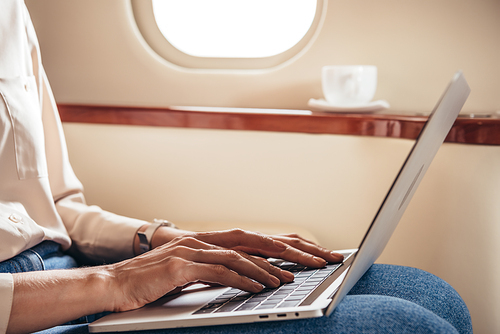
(323, 105)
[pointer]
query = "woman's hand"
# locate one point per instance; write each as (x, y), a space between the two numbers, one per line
(188, 259)
(230, 258)
(225, 257)
(290, 247)
(294, 248)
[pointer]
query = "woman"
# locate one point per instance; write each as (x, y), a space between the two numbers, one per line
(47, 228)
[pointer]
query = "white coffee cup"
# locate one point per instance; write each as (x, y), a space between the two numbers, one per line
(349, 85)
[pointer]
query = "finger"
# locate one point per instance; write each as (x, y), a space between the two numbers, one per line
(283, 276)
(239, 238)
(294, 235)
(300, 252)
(309, 247)
(293, 255)
(179, 249)
(191, 242)
(240, 263)
(289, 247)
(219, 274)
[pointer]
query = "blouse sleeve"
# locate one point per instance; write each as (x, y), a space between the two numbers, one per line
(6, 293)
(96, 235)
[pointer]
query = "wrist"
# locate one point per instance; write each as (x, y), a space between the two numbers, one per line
(155, 234)
(165, 234)
(146, 236)
(101, 279)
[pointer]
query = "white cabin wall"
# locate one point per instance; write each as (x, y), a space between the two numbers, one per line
(330, 185)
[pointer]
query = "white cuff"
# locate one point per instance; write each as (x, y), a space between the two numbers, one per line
(7, 293)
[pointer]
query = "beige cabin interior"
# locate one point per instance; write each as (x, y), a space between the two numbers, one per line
(325, 186)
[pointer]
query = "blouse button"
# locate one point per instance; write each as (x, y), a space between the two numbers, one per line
(15, 218)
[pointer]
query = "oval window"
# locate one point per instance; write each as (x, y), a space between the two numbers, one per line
(234, 28)
(228, 33)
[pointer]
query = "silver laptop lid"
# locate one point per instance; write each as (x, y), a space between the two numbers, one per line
(421, 155)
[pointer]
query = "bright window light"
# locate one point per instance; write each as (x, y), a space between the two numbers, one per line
(234, 28)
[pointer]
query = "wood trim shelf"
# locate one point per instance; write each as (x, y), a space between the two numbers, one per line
(482, 131)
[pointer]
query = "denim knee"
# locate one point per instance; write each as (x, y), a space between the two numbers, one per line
(385, 314)
(417, 286)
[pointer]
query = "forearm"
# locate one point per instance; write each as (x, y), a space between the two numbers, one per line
(45, 299)
(48, 298)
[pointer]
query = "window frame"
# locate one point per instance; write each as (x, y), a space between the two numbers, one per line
(143, 16)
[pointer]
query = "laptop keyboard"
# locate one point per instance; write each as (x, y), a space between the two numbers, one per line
(286, 295)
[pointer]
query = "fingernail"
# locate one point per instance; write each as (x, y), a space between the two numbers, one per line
(337, 256)
(275, 280)
(258, 287)
(319, 260)
(288, 275)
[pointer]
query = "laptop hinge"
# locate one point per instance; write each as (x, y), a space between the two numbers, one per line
(328, 282)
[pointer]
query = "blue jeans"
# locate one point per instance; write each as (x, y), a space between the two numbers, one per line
(44, 256)
(387, 299)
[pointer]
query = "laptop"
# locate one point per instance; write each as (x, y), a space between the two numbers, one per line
(314, 292)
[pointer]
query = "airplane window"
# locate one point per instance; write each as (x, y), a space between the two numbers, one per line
(234, 28)
(228, 34)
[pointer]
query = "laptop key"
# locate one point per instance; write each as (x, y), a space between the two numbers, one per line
(239, 298)
(247, 306)
(300, 293)
(265, 294)
(303, 274)
(287, 295)
(289, 303)
(294, 298)
(209, 308)
(308, 285)
(266, 306)
(228, 307)
(277, 297)
(258, 298)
